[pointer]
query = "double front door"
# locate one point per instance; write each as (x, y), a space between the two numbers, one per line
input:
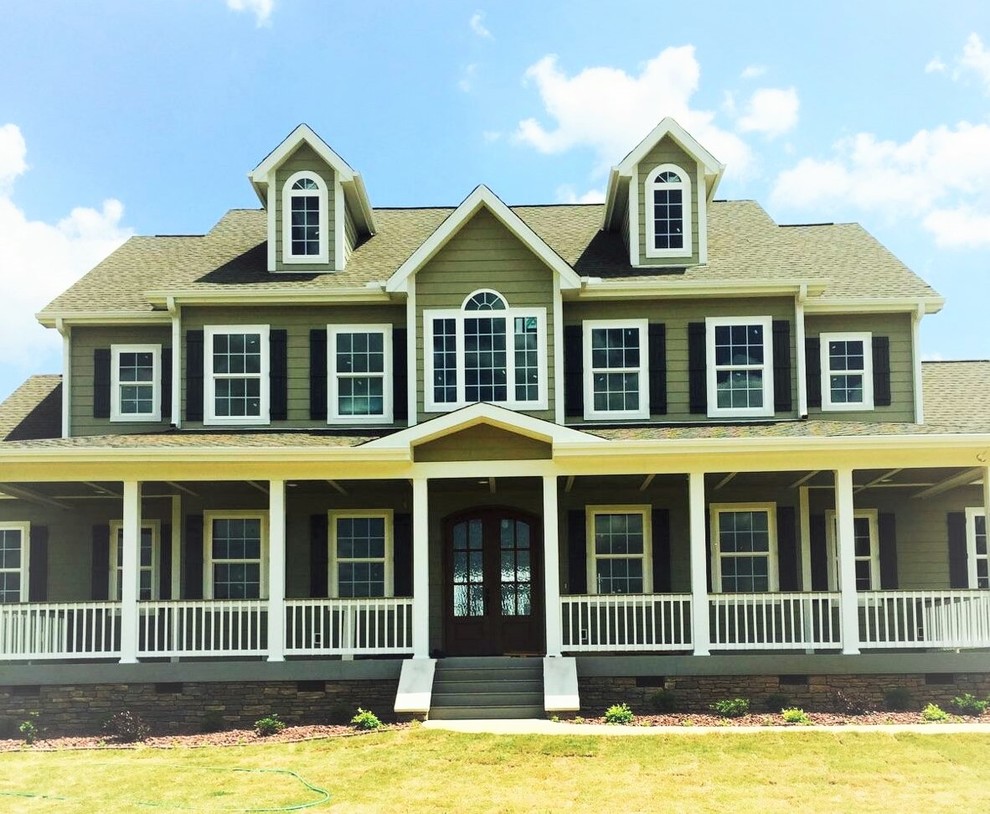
(493, 585)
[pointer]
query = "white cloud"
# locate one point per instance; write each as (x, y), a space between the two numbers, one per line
(975, 59)
(262, 9)
(935, 65)
(466, 82)
(610, 111)
(771, 111)
(478, 26)
(568, 195)
(753, 72)
(38, 260)
(940, 177)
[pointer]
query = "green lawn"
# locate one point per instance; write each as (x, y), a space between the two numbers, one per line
(417, 770)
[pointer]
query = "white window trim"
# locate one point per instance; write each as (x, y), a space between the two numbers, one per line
(209, 377)
(459, 315)
(645, 510)
(25, 570)
(714, 411)
(234, 514)
(649, 187)
(831, 540)
(773, 568)
(590, 413)
(972, 512)
(115, 529)
(867, 340)
(333, 416)
(332, 559)
(156, 383)
(287, 194)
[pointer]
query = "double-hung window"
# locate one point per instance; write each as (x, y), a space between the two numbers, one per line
(135, 393)
(847, 371)
(14, 551)
(668, 212)
(866, 549)
(740, 366)
(744, 543)
(620, 549)
(976, 545)
(361, 553)
(235, 563)
(486, 351)
(237, 388)
(360, 373)
(147, 560)
(305, 227)
(615, 369)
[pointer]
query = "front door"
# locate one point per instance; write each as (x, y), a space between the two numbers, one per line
(493, 592)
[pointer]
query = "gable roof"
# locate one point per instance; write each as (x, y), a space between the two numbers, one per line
(33, 410)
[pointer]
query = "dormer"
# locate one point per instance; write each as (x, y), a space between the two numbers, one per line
(658, 198)
(318, 208)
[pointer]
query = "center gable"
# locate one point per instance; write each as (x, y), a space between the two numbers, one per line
(483, 442)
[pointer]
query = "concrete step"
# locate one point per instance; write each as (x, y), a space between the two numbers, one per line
(487, 687)
(467, 713)
(493, 698)
(447, 684)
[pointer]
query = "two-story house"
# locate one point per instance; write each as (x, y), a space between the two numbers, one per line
(324, 452)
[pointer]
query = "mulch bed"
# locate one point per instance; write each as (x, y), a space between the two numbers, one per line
(768, 719)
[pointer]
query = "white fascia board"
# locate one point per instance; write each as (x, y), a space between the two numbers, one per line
(303, 133)
(669, 127)
(611, 197)
(596, 288)
(49, 319)
(481, 196)
(208, 453)
(363, 208)
(372, 293)
(871, 305)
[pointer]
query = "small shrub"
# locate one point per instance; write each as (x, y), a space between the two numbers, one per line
(365, 719)
(793, 715)
(731, 707)
(969, 704)
(662, 700)
(126, 726)
(619, 714)
(933, 712)
(212, 721)
(269, 725)
(777, 701)
(29, 729)
(898, 699)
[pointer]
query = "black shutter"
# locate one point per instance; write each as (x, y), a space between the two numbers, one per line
(192, 565)
(781, 366)
(166, 384)
(658, 368)
(101, 383)
(318, 553)
(661, 551)
(100, 575)
(402, 553)
(165, 563)
(577, 553)
(318, 374)
(400, 376)
(813, 370)
(573, 370)
(38, 546)
(697, 368)
(787, 558)
(819, 553)
(278, 374)
(194, 375)
(958, 553)
(881, 371)
(887, 545)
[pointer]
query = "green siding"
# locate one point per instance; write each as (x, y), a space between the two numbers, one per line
(676, 314)
(485, 254)
(898, 328)
(666, 151)
(83, 342)
(304, 158)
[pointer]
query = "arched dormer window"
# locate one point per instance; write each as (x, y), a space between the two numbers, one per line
(486, 351)
(305, 226)
(668, 212)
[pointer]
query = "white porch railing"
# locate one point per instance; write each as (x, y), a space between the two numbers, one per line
(59, 630)
(955, 619)
(217, 627)
(615, 622)
(348, 626)
(774, 621)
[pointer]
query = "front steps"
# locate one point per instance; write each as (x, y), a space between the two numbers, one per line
(487, 687)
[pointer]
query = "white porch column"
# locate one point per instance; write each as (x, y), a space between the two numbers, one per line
(276, 570)
(846, 543)
(421, 569)
(986, 495)
(129, 573)
(551, 564)
(700, 632)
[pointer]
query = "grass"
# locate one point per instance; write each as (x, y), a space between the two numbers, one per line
(417, 771)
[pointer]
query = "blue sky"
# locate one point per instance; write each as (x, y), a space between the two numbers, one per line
(120, 117)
